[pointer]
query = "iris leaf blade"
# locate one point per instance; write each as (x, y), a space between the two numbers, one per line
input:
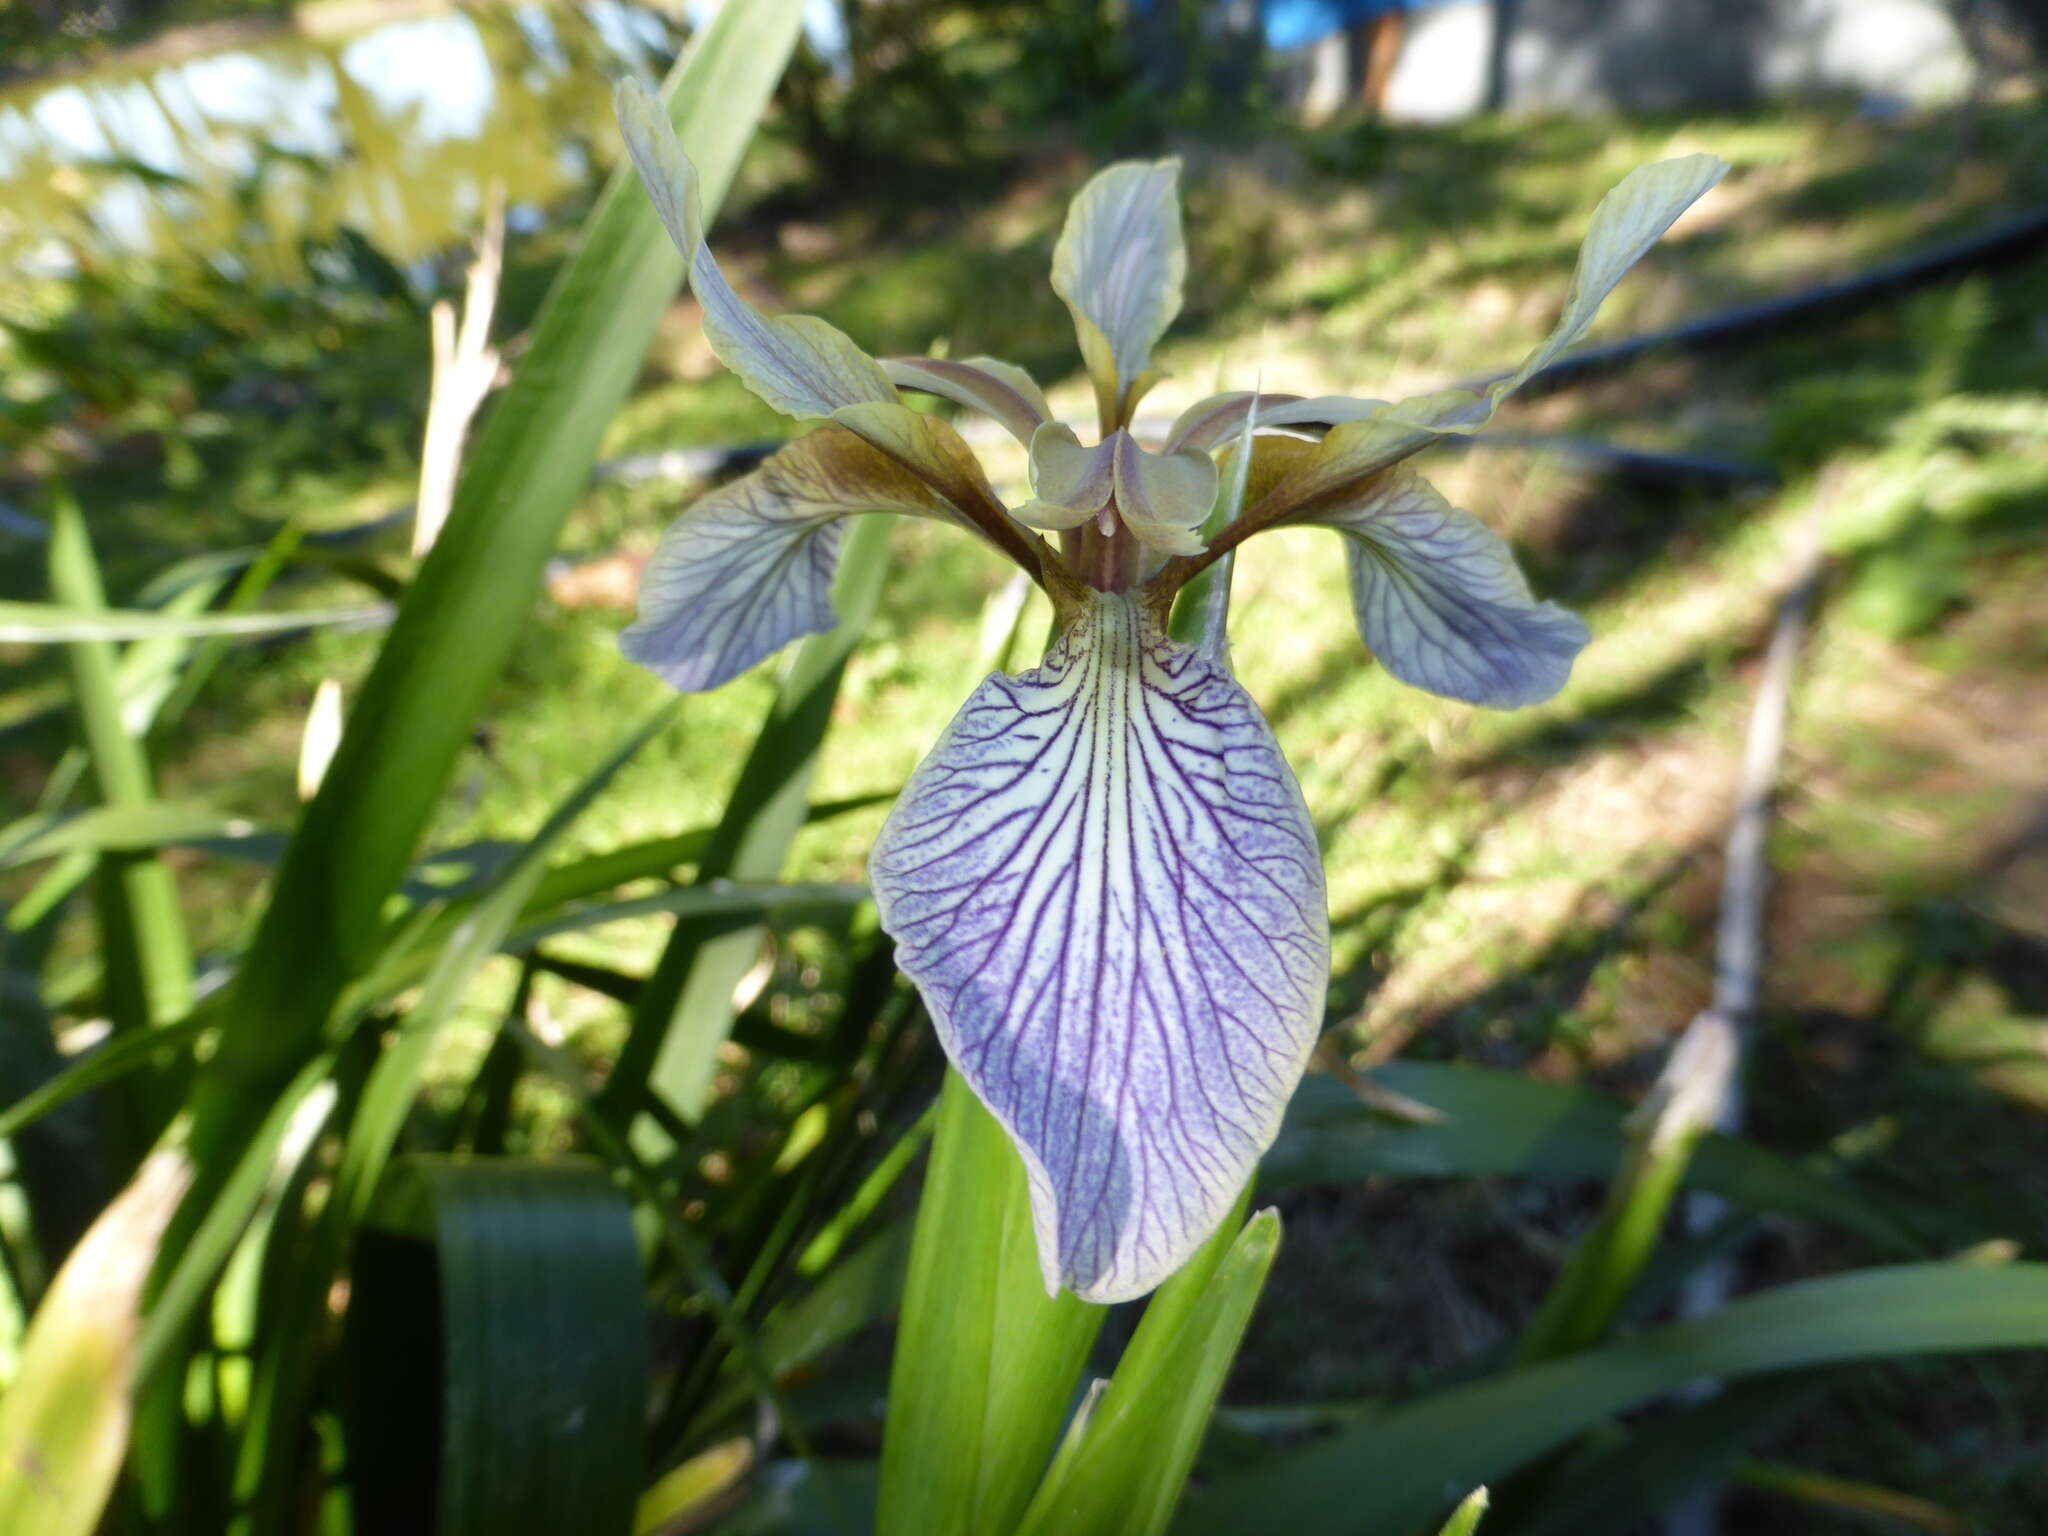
(1391, 1472)
(1123, 1473)
(986, 1362)
(468, 604)
(1502, 1123)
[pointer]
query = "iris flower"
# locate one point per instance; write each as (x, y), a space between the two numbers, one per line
(1103, 879)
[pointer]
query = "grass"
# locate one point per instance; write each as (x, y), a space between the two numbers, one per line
(1535, 889)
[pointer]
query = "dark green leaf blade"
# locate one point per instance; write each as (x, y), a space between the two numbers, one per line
(1400, 1469)
(539, 1364)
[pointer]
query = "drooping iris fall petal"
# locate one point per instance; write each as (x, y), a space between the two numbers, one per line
(1105, 883)
(748, 568)
(1441, 602)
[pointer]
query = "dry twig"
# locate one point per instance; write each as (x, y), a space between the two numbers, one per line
(465, 368)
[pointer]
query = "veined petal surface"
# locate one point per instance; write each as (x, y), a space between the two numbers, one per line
(998, 389)
(797, 363)
(1119, 266)
(748, 568)
(1442, 604)
(1106, 885)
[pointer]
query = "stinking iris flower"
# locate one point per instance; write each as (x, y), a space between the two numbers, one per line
(1103, 879)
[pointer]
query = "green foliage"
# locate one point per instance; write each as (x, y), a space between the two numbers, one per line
(986, 1361)
(1389, 1471)
(1128, 1452)
(469, 1275)
(283, 1061)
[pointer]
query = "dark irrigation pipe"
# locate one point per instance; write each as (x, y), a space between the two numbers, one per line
(2003, 244)
(1637, 467)
(2015, 240)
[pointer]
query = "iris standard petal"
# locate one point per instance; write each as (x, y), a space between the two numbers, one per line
(797, 363)
(1441, 602)
(1216, 420)
(1630, 219)
(1105, 884)
(748, 568)
(1119, 266)
(987, 384)
(1367, 436)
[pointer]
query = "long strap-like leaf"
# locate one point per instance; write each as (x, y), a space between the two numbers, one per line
(1390, 1471)
(470, 601)
(446, 649)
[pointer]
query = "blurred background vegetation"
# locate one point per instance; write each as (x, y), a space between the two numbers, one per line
(223, 225)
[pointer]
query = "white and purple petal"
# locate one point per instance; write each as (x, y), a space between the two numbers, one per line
(1105, 884)
(1441, 602)
(748, 568)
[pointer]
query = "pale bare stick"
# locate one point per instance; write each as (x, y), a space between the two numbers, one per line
(465, 368)
(1739, 939)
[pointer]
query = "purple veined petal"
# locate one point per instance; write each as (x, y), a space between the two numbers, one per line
(1105, 884)
(1000, 390)
(799, 364)
(748, 568)
(1441, 602)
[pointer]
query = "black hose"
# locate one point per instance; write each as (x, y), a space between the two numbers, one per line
(2013, 241)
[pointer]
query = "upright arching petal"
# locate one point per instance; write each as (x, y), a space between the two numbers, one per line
(1367, 436)
(1105, 884)
(797, 363)
(1119, 265)
(1441, 602)
(998, 389)
(748, 568)
(1629, 220)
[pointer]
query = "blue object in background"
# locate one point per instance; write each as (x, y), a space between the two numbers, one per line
(1297, 23)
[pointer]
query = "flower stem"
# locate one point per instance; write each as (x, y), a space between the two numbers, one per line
(1110, 562)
